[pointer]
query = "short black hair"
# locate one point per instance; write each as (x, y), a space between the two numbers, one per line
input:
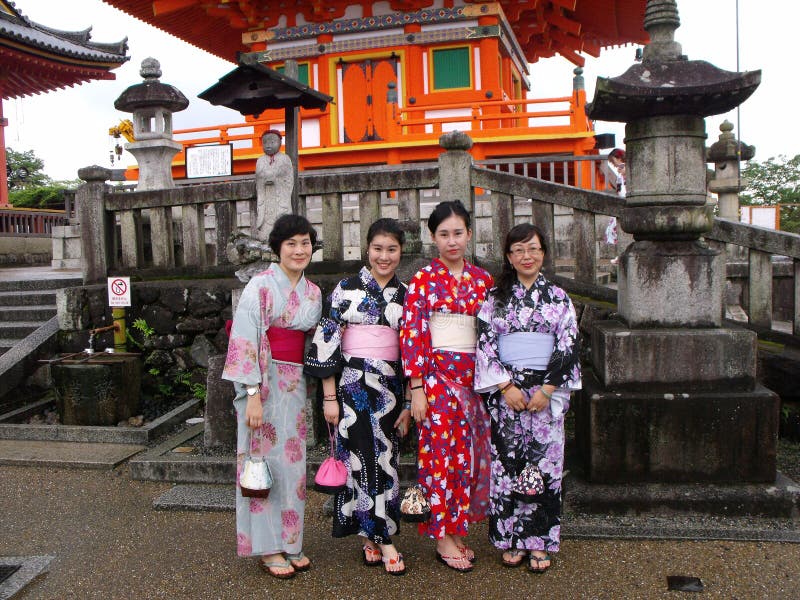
(444, 210)
(386, 226)
(508, 276)
(287, 226)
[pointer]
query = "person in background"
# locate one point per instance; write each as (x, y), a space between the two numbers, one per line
(356, 353)
(265, 362)
(437, 341)
(527, 362)
(616, 163)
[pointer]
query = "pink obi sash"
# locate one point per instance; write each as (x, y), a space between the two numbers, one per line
(287, 345)
(371, 341)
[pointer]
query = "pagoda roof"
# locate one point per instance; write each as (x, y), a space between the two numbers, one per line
(542, 27)
(36, 58)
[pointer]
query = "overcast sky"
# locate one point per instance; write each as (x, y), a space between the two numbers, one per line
(68, 128)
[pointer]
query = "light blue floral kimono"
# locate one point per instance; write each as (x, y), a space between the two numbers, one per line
(273, 524)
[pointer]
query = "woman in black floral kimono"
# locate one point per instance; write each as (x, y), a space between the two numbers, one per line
(527, 363)
(355, 352)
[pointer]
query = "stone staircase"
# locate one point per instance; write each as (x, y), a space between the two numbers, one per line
(27, 304)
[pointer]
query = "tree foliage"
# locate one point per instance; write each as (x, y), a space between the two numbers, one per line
(29, 186)
(776, 181)
(25, 170)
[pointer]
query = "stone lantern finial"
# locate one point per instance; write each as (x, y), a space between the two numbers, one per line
(660, 21)
(150, 69)
(577, 81)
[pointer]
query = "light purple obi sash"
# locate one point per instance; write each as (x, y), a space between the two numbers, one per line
(526, 349)
(371, 341)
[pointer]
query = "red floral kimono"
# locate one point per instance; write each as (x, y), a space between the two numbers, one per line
(453, 457)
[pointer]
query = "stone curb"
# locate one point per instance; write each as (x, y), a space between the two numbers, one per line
(98, 434)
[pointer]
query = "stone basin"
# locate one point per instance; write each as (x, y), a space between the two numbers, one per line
(96, 389)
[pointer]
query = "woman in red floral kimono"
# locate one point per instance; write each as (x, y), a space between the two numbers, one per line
(437, 341)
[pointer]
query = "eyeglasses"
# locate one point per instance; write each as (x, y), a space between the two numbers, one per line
(521, 252)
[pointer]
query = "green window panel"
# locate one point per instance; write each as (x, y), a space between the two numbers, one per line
(451, 68)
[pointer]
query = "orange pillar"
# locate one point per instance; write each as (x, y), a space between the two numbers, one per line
(3, 176)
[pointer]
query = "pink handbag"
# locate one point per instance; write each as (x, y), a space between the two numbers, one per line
(331, 476)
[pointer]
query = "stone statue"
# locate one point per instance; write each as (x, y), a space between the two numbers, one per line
(274, 183)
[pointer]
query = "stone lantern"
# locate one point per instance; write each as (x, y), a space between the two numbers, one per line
(152, 104)
(672, 396)
(727, 155)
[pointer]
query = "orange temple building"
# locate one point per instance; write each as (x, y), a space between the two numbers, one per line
(401, 72)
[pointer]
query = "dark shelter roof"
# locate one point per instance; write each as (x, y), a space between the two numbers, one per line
(251, 88)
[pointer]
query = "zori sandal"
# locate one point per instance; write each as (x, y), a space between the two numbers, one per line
(468, 553)
(538, 568)
(270, 566)
(452, 562)
(372, 556)
(387, 562)
(296, 558)
(516, 557)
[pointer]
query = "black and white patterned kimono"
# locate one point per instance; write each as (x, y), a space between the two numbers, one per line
(370, 391)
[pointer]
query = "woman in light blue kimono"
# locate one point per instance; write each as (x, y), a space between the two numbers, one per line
(527, 363)
(277, 309)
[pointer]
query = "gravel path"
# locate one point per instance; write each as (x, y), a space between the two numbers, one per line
(109, 543)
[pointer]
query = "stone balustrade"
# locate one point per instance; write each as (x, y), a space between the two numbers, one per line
(162, 232)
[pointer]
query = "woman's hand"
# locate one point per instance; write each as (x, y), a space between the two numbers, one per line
(419, 404)
(254, 413)
(515, 398)
(403, 422)
(330, 409)
(538, 401)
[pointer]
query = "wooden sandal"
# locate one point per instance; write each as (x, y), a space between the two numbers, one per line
(517, 556)
(296, 558)
(468, 553)
(268, 567)
(452, 561)
(372, 556)
(538, 569)
(394, 561)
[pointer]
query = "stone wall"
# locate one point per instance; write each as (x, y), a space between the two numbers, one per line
(187, 319)
(25, 250)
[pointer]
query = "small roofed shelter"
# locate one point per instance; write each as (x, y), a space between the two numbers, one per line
(251, 88)
(35, 59)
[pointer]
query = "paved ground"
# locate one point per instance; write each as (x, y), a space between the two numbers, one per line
(108, 542)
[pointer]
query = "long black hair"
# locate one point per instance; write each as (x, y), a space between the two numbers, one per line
(508, 276)
(444, 210)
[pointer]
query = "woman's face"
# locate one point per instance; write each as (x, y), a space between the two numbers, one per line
(526, 258)
(383, 255)
(296, 253)
(451, 238)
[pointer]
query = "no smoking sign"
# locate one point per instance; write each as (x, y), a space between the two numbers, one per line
(119, 291)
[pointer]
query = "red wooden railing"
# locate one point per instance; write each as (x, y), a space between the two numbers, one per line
(26, 222)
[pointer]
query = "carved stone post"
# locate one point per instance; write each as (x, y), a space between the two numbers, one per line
(455, 173)
(95, 229)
